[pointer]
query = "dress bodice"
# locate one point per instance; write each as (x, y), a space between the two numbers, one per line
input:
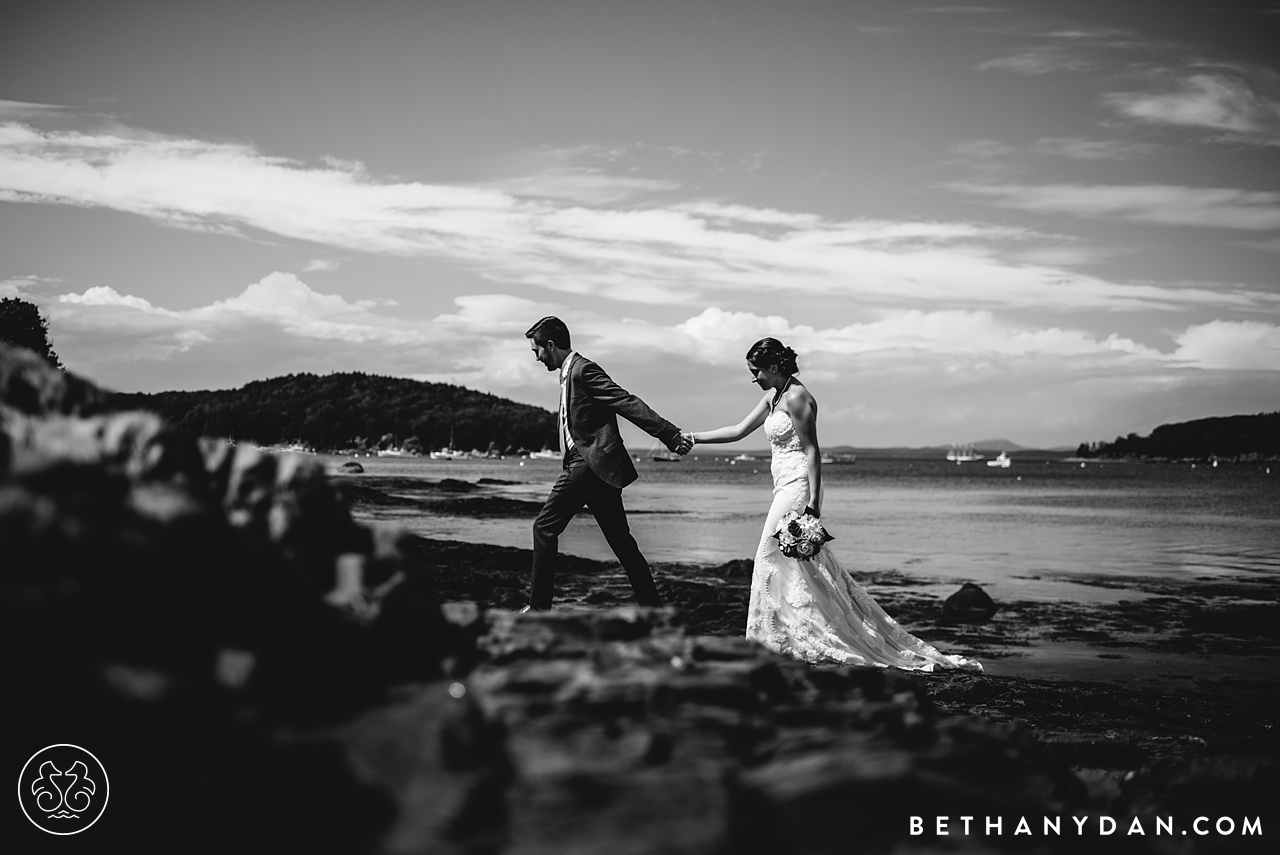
(782, 433)
(789, 466)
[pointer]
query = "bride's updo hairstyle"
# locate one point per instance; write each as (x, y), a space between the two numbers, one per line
(770, 351)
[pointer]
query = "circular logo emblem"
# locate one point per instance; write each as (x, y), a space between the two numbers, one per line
(63, 789)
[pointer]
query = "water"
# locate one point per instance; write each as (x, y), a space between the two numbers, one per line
(1032, 526)
(1106, 534)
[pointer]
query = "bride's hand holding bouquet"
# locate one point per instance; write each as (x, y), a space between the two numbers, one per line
(801, 535)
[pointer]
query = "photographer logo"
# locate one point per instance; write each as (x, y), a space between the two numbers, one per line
(63, 789)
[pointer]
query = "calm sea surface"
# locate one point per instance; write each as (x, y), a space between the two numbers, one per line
(1024, 531)
(1055, 533)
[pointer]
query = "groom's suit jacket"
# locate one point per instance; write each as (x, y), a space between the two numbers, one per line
(594, 404)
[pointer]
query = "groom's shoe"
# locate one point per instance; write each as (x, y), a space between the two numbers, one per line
(530, 607)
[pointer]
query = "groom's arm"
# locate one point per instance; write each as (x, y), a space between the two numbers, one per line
(602, 388)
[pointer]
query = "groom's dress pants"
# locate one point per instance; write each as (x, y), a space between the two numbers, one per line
(576, 487)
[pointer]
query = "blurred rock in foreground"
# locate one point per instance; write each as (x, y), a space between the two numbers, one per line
(191, 613)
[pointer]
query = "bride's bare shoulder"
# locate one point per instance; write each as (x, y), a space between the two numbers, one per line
(798, 398)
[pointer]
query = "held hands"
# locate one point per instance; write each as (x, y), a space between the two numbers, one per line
(684, 443)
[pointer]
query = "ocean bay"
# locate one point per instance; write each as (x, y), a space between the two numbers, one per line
(966, 522)
(1114, 555)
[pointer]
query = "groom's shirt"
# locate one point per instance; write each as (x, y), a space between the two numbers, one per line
(566, 441)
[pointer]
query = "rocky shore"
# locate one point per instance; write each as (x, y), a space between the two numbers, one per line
(259, 671)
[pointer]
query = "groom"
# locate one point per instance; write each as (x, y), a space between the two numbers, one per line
(596, 464)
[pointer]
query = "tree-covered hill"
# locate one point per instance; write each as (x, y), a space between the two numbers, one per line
(22, 325)
(1222, 436)
(352, 409)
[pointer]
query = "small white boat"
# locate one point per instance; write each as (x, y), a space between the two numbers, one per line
(545, 454)
(1002, 460)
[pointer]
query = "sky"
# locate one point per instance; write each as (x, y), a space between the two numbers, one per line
(1050, 222)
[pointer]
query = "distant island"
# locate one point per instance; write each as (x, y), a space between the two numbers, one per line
(1240, 438)
(356, 411)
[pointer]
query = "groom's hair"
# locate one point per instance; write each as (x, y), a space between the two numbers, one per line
(550, 329)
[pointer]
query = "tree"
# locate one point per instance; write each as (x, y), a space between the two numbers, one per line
(22, 325)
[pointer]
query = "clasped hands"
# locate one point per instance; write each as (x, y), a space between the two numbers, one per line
(684, 443)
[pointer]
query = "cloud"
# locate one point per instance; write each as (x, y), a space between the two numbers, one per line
(13, 287)
(102, 295)
(26, 110)
(26, 287)
(1078, 148)
(903, 377)
(1226, 208)
(719, 336)
(1047, 60)
(1231, 344)
(1209, 99)
(105, 327)
(678, 253)
(319, 264)
(1070, 255)
(587, 186)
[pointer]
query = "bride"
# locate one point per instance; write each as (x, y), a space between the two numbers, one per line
(811, 608)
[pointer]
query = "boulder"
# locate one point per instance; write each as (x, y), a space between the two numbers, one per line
(970, 604)
(201, 614)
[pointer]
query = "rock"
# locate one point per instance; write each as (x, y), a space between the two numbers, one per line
(201, 613)
(351, 467)
(32, 385)
(625, 734)
(970, 604)
(1206, 786)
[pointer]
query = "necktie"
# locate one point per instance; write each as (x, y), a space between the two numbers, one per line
(564, 416)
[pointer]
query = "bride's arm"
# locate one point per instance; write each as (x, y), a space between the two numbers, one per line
(804, 415)
(733, 433)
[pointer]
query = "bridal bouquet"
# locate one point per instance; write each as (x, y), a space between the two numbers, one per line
(800, 535)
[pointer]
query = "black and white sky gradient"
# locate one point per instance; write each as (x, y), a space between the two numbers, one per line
(1046, 221)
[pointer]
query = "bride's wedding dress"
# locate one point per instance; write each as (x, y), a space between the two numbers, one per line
(812, 609)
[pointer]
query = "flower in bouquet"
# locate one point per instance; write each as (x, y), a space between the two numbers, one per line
(800, 535)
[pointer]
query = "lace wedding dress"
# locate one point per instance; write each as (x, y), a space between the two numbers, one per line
(812, 609)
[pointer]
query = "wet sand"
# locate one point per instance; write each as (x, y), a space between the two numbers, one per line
(1148, 672)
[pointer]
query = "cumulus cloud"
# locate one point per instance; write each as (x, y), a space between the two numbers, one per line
(102, 295)
(925, 375)
(1231, 344)
(684, 252)
(104, 327)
